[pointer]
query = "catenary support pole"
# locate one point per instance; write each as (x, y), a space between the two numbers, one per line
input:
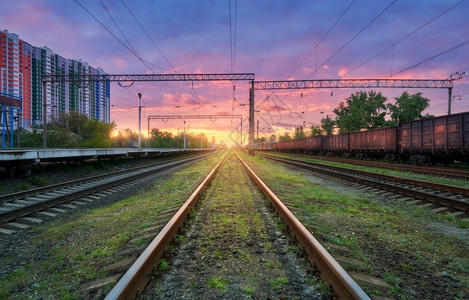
(44, 114)
(450, 95)
(139, 120)
(251, 117)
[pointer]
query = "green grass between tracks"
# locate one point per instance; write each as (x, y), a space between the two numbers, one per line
(367, 226)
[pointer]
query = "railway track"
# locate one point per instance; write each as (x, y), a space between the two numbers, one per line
(432, 171)
(453, 200)
(19, 209)
(134, 281)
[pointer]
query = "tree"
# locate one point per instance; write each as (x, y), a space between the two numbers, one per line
(316, 130)
(408, 107)
(327, 125)
(299, 133)
(72, 131)
(361, 110)
(284, 138)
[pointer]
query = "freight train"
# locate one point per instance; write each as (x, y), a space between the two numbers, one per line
(441, 139)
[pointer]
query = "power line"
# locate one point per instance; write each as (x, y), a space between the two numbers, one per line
(135, 54)
(333, 55)
(322, 38)
(118, 28)
(433, 57)
(136, 20)
(192, 91)
(107, 29)
(405, 37)
(235, 35)
(231, 39)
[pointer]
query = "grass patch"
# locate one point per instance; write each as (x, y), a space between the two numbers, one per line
(278, 282)
(349, 219)
(218, 283)
(76, 248)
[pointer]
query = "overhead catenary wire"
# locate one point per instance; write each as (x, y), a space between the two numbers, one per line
(194, 94)
(349, 41)
(403, 38)
(434, 56)
(123, 44)
(322, 38)
(143, 29)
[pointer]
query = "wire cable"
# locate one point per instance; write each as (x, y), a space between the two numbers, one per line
(130, 50)
(136, 20)
(433, 57)
(322, 38)
(231, 38)
(356, 35)
(192, 91)
(402, 39)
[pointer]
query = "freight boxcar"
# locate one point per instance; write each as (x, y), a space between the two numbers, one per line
(382, 142)
(299, 146)
(338, 144)
(314, 144)
(439, 139)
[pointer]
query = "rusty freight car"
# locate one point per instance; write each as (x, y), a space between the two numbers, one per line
(336, 144)
(313, 144)
(375, 143)
(440, 139)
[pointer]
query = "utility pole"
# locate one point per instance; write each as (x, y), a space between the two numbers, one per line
(454, 76)
(257, 130)
(18, 128)
(139, 119)
(184, 134)
(44, 114)
(251, 118)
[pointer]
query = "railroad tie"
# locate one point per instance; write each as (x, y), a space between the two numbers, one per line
(440, 209)
(132, 250)
(349, 261)
(68, 206)
(18, 225)
(94, 285)
(336, 247)
(456, 214)
(33, 220)
(372, 281)
(142, 237)
(119, 266)
(427, 205)
(6, 231)
(62, 211)
(47, 214)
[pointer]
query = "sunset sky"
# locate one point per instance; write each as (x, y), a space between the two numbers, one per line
(276, 40)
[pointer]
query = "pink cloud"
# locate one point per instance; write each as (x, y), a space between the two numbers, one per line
(342, 72)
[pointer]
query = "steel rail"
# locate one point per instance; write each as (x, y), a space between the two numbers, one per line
(431, 197)
(329, 269)
(434, 171)
(26, 210)
(53, 187)
(138, 275)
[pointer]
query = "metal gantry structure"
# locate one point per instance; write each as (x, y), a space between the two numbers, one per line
(143, 77)
(253, 85)
(361, 83)
(352, 83)
(213, 118)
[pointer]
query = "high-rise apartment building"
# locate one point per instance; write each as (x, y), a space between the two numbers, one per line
(15, 72)
(22, 67)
